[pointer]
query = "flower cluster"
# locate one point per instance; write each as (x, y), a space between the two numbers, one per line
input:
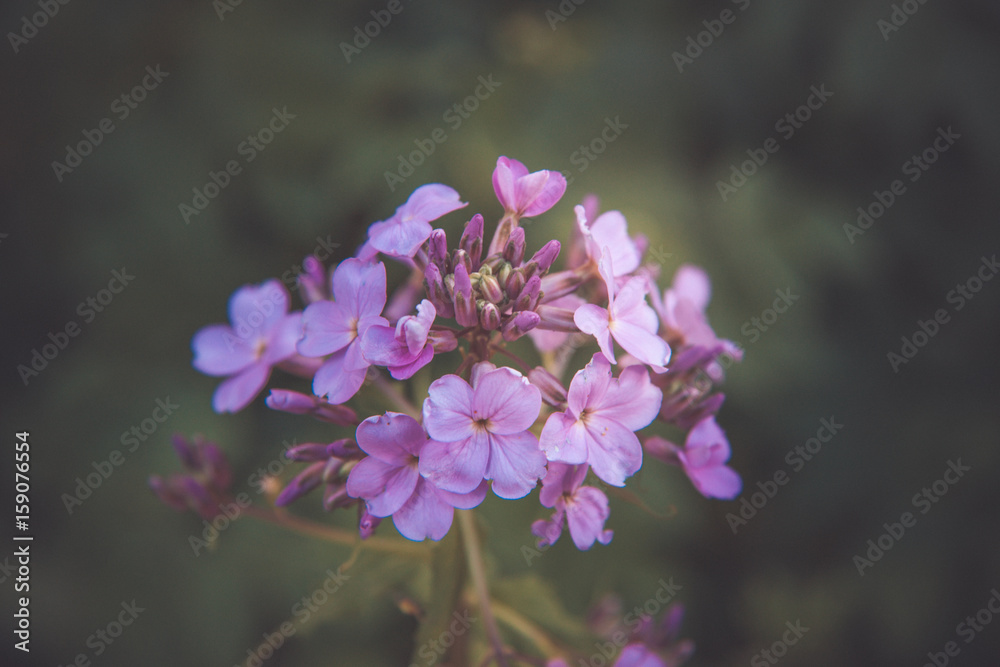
(482, 426)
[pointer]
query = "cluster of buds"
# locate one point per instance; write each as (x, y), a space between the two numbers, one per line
(501, 292)
(328, 465)
(204, 485)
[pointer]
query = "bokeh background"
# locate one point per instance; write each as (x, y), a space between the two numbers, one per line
(322, 179)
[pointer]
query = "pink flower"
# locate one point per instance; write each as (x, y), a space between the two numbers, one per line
(609, 230)
(404, 233)
(262, 335)
(703, 458)
(523, 194)
(599, 424)
(405, 349)
(480, 431)
(682, 311)
(336, 327)
(628, 319)
(389, 481)
(583, 507)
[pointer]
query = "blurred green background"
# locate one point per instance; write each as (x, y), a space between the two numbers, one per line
(323, 177)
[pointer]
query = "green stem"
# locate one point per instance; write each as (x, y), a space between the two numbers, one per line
(474, 556)
(336, 535)
(515, 621)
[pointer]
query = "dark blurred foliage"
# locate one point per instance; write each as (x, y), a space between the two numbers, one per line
(324, 175)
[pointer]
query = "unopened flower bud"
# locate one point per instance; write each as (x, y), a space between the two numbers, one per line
(442, 341)
(472, 239)
(489, 317)
(458, 257)
(528, 298)
(513, 251)
(557, 319)
(465, 304)
(489, 287)
(542, 260)
(437, 249)
(520, 324)
(437, 293)
(552, 390)
(514, 284)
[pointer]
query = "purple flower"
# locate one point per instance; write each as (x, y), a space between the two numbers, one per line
(336, 326)
(609, 230)
(389, 481)
(583, 507)
(404, 233)
(405, 349)
(262, 335)
(703, 458)
(628, 319)
(524, 194)
(480, 431)
(600, 420)
(639, 655)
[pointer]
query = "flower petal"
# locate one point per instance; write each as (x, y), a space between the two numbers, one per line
(586, 513)
(386, 487)
(236, 393)
(219, 351)
(257, 308)
(631, 400)
(564, 439)
(594, 320)
(393, 437)
(326, 328)
(335, 382)
(515, 464)
(359, 288)
(507, 400)
(424, 515)
(448, 409)
(614, 452)
(457, 466)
